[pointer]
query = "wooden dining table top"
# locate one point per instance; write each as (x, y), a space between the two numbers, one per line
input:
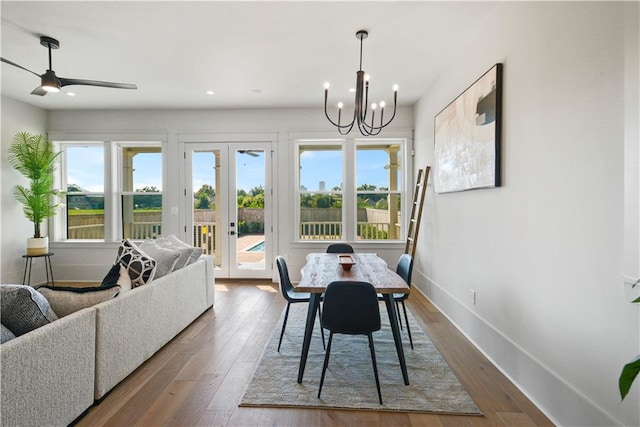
(324, 268)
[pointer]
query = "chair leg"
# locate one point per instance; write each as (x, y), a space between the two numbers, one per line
(399, 317)
(324, 347)
(325, 364)
(375, 365)
(284, 324)
(406, 319)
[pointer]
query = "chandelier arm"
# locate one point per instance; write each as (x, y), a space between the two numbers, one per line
(388, 121)
(326, 113)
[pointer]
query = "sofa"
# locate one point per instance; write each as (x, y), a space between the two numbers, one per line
(53, 374)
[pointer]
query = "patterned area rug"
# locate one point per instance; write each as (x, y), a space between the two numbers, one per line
(349, 382)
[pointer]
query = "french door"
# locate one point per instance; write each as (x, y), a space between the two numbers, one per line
(231, 205)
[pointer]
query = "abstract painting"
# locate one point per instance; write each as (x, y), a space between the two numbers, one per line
(467, 137)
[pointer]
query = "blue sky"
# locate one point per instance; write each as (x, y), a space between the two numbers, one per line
(85, 169)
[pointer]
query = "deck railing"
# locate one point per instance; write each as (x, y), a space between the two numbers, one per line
(204, 233)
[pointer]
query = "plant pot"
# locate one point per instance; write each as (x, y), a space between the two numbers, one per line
(37, 245)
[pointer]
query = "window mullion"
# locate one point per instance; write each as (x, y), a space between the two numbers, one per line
(111, 202)
(349, 198)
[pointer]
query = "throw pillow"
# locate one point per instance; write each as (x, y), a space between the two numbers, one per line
(140, 266)
(117, 275)
(185, 252)
(195, 252)
(66, 300)
(23, 309)
(112, 276)
(165, 258)
(5, 334)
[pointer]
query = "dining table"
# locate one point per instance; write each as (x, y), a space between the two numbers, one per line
(323, 268)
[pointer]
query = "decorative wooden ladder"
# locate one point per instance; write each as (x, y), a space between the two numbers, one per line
(416, 211)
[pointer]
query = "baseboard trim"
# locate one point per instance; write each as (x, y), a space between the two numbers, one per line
(555, 397)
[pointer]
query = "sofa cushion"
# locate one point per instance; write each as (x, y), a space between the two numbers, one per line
(23, 309)
(193, 252)
(5, 334)
(165, 257)
(66, 300)
(185, 252)
(140, 266)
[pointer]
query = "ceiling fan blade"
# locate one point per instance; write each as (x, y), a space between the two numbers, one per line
(70, 82)
(39, 91)
(6, 61)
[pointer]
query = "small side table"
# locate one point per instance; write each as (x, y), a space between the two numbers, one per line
(47, 268)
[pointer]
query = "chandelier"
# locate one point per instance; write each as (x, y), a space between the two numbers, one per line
(360, 111)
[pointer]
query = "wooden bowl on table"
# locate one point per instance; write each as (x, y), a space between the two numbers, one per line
(346, 262)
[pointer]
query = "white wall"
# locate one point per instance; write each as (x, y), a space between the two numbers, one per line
(15, 228)
(77, 261)
(545, 251)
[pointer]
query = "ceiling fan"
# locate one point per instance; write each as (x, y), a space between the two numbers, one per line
(51, 83)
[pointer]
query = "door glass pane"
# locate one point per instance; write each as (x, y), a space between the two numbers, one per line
(320, 192)
(206, 198)
(84, 175)
(250, 185)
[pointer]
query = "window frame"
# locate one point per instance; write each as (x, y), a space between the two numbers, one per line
(349, 191)
(112, 169)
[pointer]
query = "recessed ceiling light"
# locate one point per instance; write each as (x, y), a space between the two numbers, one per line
(353, 89)
(256, 90)
(71, 94)
(210, 92)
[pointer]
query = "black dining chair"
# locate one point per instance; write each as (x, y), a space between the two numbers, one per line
(340, 248)
(292, 297)
(351, 308)
(404, 268)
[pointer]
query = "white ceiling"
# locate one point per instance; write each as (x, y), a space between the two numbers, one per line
(176, 51)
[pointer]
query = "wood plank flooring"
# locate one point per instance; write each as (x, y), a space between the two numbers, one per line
(199, 377)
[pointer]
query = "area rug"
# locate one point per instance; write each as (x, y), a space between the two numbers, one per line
(349, 382)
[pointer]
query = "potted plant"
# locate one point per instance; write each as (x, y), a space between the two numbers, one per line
(630, 370)
(33, 157)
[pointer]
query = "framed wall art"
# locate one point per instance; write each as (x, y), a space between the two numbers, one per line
(467, 137)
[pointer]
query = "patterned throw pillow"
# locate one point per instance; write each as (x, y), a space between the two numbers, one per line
(140, 266)
(23, 309)
(66, 300)
(117, 275)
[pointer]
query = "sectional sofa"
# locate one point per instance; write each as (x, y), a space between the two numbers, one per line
(52, 374)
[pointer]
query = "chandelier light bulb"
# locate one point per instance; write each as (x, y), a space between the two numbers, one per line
(367, 77)
(374, 106)
(395, 88)
(382, 104)
(340, 105)
(326, 85)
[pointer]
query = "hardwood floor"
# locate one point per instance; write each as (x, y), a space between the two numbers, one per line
(199, 377)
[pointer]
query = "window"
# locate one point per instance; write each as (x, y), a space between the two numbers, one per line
(320, 191)
(141, 192)
(84, 184)
(350, 190)
(378, 191)
(113, 191)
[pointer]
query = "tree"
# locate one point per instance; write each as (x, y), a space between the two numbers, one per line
(202, 202)
(151, 201)
(204, 197)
